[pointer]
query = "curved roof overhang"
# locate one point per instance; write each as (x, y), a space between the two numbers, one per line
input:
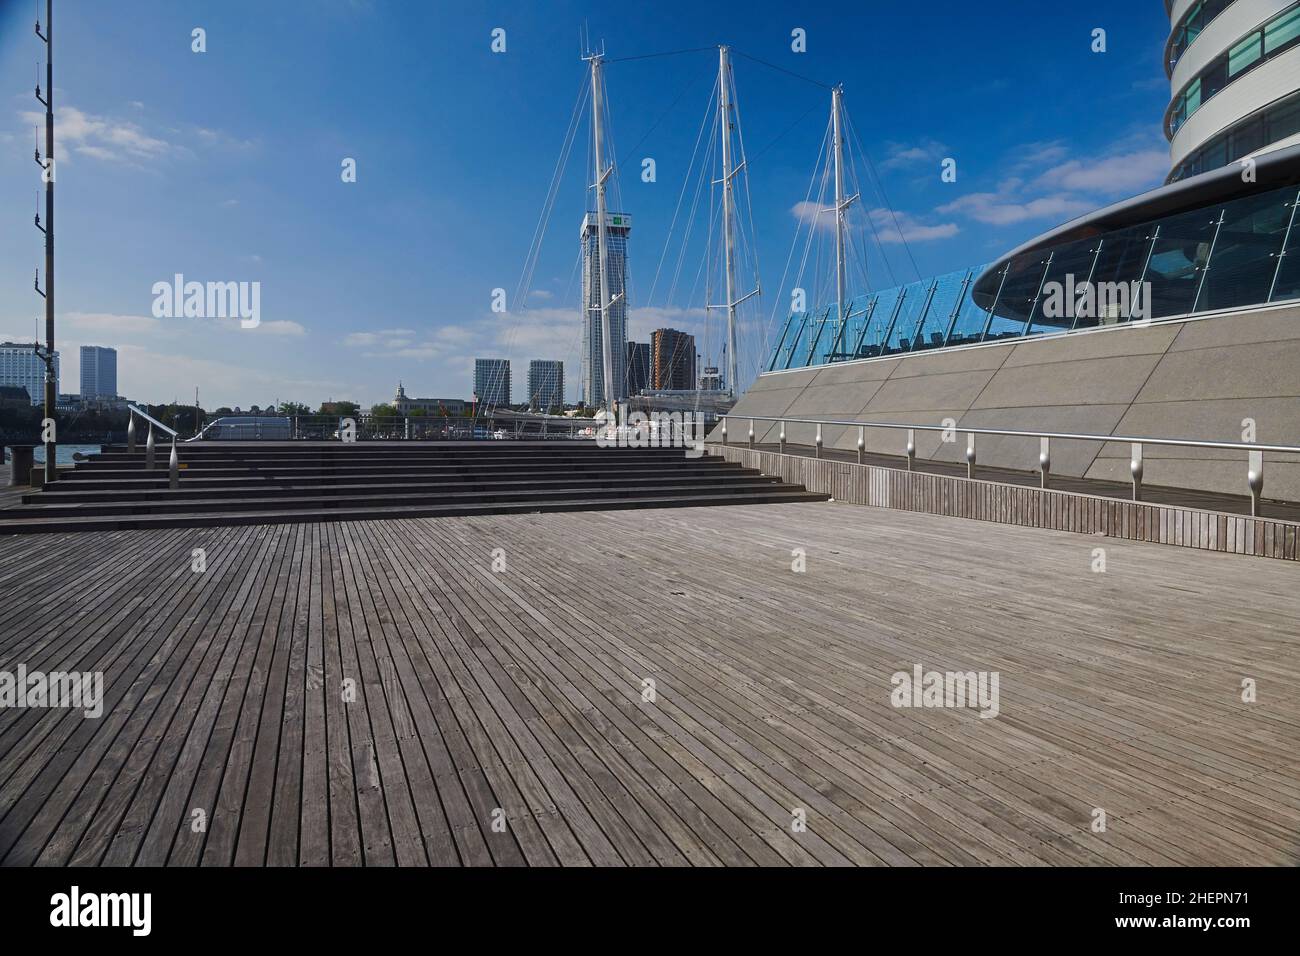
(1272, 170)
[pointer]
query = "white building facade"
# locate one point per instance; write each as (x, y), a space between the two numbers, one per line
(21, 366)
(1234, 76)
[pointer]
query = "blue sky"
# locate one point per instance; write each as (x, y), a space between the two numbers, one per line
(225, 166)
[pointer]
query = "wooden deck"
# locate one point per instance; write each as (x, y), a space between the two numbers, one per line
(523, 690)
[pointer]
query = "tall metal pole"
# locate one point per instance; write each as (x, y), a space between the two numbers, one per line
(728, 208)
(840, 206)
(606, 347)
(51, 397)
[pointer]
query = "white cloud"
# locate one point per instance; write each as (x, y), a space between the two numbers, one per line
(107, 322)
(1001, 209)
(1068, 187)
(280, 327)
(806, 211)
(897, 227)
(901, 155)
(890, 226)
(1122, 173)
(387, 338)
(99, 137)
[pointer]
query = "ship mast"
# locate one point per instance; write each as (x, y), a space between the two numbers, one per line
(602, 284)
(841, 208)
(728, 204)
(726, 123)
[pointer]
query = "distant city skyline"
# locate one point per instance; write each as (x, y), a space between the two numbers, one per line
(174, 162)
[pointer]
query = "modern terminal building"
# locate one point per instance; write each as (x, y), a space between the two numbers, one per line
(1190, 327)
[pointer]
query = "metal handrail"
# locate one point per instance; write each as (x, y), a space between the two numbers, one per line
(173, 461)
(152, 421)
(1254, 465)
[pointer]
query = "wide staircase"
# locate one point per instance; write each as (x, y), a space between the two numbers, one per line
(276, 482)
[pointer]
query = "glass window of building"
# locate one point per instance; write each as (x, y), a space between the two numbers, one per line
(1244, 54)
(1282, 32)
(1246, 251)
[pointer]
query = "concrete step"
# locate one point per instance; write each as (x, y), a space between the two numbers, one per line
(117, 491)
(236, 469)
(366, 499)
(779, 493)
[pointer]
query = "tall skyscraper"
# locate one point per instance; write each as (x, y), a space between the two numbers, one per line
(545, 384)
(638, 367)
(98, 372)
(20, 365)
(492, 381)
(617, 227)
(672, 359)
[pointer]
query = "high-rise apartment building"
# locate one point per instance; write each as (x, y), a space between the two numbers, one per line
(638, 367)
(545, 385)
(492, 382)
(21, 366)
(98, 372)
(672, 359)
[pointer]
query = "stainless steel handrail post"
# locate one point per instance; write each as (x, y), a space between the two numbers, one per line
(1135, 468)
(819, 440)
(1044, 459)
(724, 430)
(130, 432)
(173, 468)
(782, 439)
(970, 454)
(862, 444)
(1255, 479)
(148, 450)
(911, 448)
(751, 433)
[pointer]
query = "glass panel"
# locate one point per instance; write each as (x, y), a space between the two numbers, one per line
(1245, 253)
(1071, 269)
(822, 332)
(1192, 98)
(1122, 258)
(969, 326)
(841, 345)
(1215, 155)
(832, 340)
(1281, 32)
(1284, 122)
(1018, 294)
(878, 323)
(1287, 282)
(1244, 54)
(796, 352)
(950, 288)
(1178, 260)
(900, 339)
(1213, 79)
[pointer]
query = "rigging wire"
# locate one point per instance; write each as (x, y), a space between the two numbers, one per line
(686, 180)
(781, 69)
(651, 56)
(885, 196)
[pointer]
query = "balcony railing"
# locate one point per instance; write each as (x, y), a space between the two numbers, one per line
(1254, 453)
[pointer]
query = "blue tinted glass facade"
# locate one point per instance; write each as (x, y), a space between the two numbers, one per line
(1230, 255)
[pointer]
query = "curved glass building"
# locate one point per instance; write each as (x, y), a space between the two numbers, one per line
(1173, 313)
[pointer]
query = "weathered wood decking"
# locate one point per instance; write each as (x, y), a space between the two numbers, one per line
(523, 690)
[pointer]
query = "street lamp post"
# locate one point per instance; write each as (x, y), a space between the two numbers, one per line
(47, 174)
